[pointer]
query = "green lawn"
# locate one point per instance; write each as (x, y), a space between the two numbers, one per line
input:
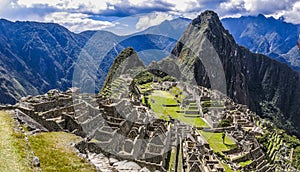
(13, 148)
(56, 154)
(216, 142)
(158, 98)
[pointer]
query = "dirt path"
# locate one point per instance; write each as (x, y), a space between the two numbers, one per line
(12, 154)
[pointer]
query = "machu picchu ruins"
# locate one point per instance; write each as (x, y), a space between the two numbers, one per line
(127, 128)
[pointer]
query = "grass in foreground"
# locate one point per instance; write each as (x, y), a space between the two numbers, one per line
(12, 146)
(216, 142)
(56, 154)
(158, 98)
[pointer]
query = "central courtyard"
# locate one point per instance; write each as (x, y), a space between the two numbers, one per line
(163, 103)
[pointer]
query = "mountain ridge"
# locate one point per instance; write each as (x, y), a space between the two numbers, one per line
(37, 57)
(267, 35)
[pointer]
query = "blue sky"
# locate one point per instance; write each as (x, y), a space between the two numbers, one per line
(135, 15)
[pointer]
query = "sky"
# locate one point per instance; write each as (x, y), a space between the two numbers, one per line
(128, 16)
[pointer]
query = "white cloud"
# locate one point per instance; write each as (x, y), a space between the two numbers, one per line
(152, 19)
(232, 4)
(78, 15)
(76, 22)
(79, 5)
(4, 4)
(140, 2)
(256, 6)
(290, 9)
(294, 14)
(185, 5)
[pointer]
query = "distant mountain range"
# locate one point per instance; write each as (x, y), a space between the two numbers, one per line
(36, 57)
(272, 37)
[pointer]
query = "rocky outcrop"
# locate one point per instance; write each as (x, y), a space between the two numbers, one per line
(268, 87)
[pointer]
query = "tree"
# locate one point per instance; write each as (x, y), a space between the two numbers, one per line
(225, 123)
(223, 137)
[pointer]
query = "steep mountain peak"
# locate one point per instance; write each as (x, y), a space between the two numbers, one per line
(126, 53)
(125, 61)
(261, 16)
(206, 49)
(208, 25)
(208, 17)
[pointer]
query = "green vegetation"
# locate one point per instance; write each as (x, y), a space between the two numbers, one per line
(212, 103)
(146, 87)
(175, 91)
(144, 78)
(243, 164)
(216, 142)
(296, 157)
(274, 144)
(159, 98)
(225, 123)
(227, 168)
(172, 159)
(273, 113)
(13, 148)
(294, 143)
(273, 140)
(56, 154)
(180, 160)
(169, 78)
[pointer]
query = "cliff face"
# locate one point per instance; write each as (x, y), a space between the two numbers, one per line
(207, 52)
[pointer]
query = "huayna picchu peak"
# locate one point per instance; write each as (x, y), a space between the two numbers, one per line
(268, 87)
(208, 17)
(149, 101)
